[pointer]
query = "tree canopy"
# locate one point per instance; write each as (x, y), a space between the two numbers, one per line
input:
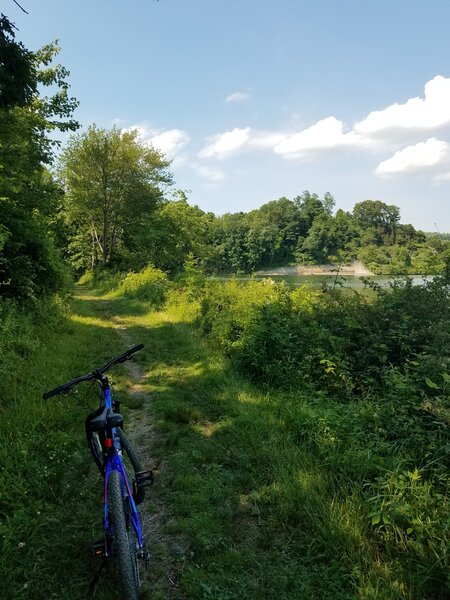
(29, 261)
(112, 182)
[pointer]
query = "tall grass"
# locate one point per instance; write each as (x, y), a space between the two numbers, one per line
(150, 285)
(325, 477)
(304, 436)
(49, 493)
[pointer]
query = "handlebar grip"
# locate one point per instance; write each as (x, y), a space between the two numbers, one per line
(65, 387)
(134, 349)
(55, 391)
(126, 355)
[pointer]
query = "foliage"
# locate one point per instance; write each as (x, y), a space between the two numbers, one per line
(383, 218)
(333, 340)
(268, 236)
(149, 285)
(113, 182)
(170, 233)
(282, 232)
(385, 357)
(29, 262)
(17, 75)
(305, 231)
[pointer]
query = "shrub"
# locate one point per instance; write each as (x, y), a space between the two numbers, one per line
(338, 342)
(149, 285)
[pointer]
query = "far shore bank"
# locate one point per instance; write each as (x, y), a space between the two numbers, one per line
(356, 268)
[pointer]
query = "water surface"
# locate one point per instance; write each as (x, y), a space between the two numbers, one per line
(349, 281)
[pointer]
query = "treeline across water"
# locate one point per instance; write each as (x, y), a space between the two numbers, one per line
(104, 200)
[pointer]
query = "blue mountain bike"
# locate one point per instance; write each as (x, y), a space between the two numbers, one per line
(123, 491)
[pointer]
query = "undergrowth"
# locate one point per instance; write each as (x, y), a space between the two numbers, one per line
(305, 435)
(338, 452)
(50, 511)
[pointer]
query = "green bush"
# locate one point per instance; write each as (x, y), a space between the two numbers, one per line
(338, 342)
(149, 285)
(374, 370)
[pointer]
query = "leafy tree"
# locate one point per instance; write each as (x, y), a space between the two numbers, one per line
(277, 227)
(18, 78)
(229, 239)
(382, 217)
(174, 231)
(310, 206)
(112, 182)
(29, 261)
(329, 239)
(407, 235)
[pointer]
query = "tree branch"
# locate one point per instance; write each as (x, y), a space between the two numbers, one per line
(21, 7)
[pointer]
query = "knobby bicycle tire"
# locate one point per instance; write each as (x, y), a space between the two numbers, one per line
(95, 446)
(124, 550)
(136, 463)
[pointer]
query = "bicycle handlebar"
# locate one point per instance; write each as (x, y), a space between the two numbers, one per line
(65, 387)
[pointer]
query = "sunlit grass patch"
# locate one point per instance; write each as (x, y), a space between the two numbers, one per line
(278, 493)
(91, 321)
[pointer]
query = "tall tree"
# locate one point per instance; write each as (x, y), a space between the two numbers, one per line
(29, 262)
(112, 181)
(17, 71)
(171, 233)
(310, 207)
(384, 218)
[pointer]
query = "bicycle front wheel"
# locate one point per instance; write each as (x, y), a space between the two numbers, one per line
(124, 547)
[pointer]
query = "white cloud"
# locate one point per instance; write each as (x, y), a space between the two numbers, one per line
(212, 174)
(430, 112)
(225, 144)
(429, 156)
(265, 139)
(325, 134)
(237, 97)
(170, 142)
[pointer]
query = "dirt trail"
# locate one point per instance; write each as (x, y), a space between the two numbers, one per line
(160, 580)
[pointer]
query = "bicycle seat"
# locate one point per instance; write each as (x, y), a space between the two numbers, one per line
(105, 420)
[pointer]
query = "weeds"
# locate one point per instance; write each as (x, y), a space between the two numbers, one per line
(326, 476)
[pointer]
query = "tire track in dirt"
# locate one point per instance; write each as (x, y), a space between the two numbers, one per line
(161, 579)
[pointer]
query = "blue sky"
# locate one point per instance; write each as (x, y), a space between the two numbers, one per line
(258, 99)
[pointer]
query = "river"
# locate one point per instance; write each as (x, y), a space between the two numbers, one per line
(316, 281)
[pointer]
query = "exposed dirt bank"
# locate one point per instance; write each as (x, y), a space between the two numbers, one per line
(356, 268)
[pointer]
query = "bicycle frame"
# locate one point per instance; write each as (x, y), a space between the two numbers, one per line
(107, 442)
(114, 462)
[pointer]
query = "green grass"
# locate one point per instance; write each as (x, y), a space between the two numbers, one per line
(50, 494)
(267, 491)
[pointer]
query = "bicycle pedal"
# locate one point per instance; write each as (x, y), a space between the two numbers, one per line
(144, 555)
(144, 478)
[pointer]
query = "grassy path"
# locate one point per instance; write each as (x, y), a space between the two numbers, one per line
(131, 385)
(242, 507)
(256, 514)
